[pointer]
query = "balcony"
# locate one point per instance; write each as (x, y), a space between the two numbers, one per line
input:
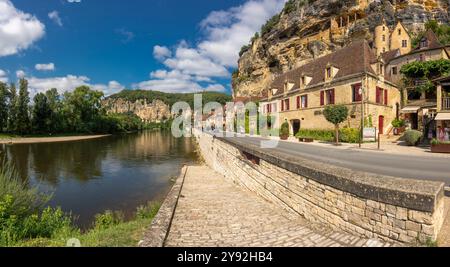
(446, 103)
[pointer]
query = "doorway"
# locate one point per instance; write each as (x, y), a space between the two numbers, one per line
(381, 124)
(296, 125)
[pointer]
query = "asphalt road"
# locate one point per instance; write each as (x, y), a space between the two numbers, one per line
(416, 167)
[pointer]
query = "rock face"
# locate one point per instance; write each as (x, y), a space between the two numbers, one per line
(149, 112)
(307, 29)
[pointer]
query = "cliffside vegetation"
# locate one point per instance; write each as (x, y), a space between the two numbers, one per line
(421, 74)
(170, 99)
(442, 31)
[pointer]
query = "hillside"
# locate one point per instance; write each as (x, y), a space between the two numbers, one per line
(307, 29)
(153, 105)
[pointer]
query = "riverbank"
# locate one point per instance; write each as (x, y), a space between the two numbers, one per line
(56, 139)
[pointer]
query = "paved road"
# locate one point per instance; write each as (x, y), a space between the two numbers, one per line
(416, 167)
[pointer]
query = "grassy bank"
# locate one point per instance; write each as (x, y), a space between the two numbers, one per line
(27, 221)
(120, 234)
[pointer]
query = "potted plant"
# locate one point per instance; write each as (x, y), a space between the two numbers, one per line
(399, 126)
(440, 147)
(284, 131)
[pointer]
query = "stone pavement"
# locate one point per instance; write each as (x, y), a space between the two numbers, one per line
(214, 212)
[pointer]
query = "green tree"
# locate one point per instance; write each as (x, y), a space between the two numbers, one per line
(12, 109)
(23, 118)
(3, 106)
(41, 114)
(54, 101)
(336, 115)
(82, 108)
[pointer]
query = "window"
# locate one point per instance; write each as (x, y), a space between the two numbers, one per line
(399, 31)
(394, 70)
(384, 28)
(303, 81)
(380, 68)
(422, 57)
(424, 43)
(328, 73)
(304, 101)
(384, 38)
(404, 43)
(382, 96)
(357, 93)
(327, 97)
(285, 105)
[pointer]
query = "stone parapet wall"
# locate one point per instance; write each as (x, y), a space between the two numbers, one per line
(371, 206)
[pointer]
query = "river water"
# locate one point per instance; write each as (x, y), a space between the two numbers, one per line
(112, 173)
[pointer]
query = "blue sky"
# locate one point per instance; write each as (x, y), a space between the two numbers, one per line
(165, 45)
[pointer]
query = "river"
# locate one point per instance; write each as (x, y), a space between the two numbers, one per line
(112, 173)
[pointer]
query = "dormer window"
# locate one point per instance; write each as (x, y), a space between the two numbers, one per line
(424, 43)
(303, 81)
(288, 86)
(329, 73)
(380, 68)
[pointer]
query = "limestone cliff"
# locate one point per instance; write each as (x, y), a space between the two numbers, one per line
(307, 29)
(155, 111)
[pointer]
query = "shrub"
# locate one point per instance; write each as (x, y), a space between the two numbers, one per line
(350, 135)
(398, 123)
(412, 137)
(147, 211)
(316, 134)
(108, 219)
(336, 115)
(284, 131)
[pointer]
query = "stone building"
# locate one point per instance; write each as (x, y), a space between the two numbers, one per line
(386, 40)
(353, 76)
(419, 109)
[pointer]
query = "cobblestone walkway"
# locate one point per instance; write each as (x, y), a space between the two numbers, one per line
(214, 212)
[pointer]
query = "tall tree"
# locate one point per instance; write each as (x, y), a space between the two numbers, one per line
(54, 102)
(41, 114)
(23, 117)
(3, 106)
(12, 109)
(336, 115)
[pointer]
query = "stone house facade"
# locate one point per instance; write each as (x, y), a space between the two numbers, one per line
(353, 76)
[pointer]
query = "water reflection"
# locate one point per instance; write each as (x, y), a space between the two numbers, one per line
(118, 173)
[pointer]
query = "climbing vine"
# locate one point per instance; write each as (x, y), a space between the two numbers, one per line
(425, 72)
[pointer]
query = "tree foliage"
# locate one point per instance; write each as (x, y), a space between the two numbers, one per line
(426, 72)
(442, 31)
(3, 106)
(336, 115)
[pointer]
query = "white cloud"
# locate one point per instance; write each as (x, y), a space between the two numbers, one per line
(224, 32)
(127, 36)
(3, 76)
(54, 16)
(175, 82)
(69, 83)
(161, 52)
(45, 67)
(18, 30)
(20, 74)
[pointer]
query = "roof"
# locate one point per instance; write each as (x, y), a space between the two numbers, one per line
(388, 56)
(353, 59)
(432, 39)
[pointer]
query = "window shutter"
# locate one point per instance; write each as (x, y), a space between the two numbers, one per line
(386, 97)
(306, 101)
(298, 102)
(322, 98)
(332, 96)
(288, 104)
(378, 95)
(282, 105)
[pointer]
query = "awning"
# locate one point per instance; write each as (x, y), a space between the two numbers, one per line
(443, 117)
(408, 110)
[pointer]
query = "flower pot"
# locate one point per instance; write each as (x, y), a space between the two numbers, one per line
(284, 137)
(440, 148)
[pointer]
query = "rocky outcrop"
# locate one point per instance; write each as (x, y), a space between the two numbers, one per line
(307, 29)
(149, 112)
